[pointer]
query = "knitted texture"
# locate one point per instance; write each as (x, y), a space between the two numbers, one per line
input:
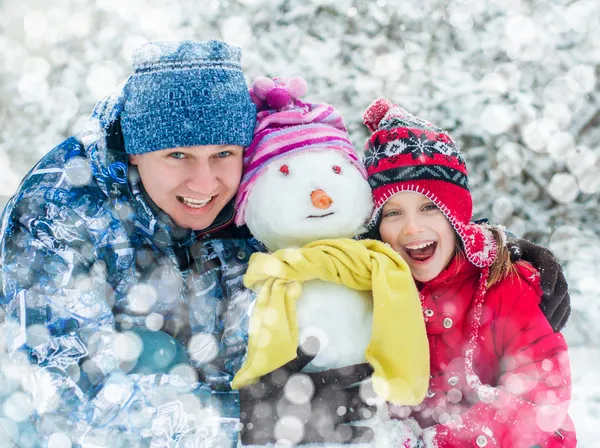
(407, 153)
(294, 127)
(186, 94)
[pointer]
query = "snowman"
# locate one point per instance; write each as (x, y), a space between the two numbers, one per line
(304, 196)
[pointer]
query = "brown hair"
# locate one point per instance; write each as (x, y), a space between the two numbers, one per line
(502, 267)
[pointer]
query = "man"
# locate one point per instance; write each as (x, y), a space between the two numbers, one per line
(127, 226)
(121, 268)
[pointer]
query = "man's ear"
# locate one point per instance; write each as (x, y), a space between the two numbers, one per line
(133, 159)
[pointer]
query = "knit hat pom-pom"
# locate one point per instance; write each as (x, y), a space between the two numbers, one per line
(278, 97)
(375, 113)
(296, 87)
(261, 86)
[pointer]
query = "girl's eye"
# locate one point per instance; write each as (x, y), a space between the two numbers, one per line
(223, 154)
(391, 213)
(429, 207)
(336, 169)
(284, 169)
(177, 155)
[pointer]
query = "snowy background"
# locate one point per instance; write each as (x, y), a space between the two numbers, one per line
(514, 81)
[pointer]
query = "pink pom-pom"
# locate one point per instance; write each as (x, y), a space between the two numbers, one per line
(262, 86)
(256, 100)
(278, 97)
(296, 87)
(375, 113)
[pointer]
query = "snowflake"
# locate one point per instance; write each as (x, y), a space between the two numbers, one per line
(395, 147)
(373, 155)
(421, 145)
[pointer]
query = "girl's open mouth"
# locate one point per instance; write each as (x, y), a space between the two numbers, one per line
(421, 252)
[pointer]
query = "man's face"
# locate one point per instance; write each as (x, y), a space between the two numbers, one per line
(191, 184)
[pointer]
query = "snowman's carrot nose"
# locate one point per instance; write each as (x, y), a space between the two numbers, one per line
(320, 199)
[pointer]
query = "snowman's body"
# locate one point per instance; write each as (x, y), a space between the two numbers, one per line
(282, 212)
(341, 318)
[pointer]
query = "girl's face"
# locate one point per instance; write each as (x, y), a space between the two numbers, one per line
(419, 232)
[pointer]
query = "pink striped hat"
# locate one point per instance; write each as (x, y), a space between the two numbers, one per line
(285, 125)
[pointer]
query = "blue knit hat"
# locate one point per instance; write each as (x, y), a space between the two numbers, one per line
(186, 94)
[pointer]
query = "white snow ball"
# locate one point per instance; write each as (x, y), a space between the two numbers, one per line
(566, 242)
(512, 158)
(537, 134)
(141, 298)
(186, 372)
(580, 159)
(560, 145)
(116, 390)
(299, 388)
(582, 78)
(35, 24)
(102, 79)
(563, 188)
(521, 29)
(9, 432)
(59, 440)
(64, 103)
(497, 118)
(558, 112)
(556, 19)
(559, 90)
(237, 30)
(589, 180)
(583, 15)
(18, 406)
(289, 429)
(203, 348)
(33, 88)
(78, 171)
(128, 346)
(154, 321)
(454, 395)
(37, 335)
(502, 208)
(367, 391)
(389, 65)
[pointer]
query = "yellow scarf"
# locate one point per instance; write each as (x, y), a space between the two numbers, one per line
(398, 351)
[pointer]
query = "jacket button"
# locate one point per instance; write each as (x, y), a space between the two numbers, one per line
(428, 312)
(447, 323)
(241, 255)
(481, 441)
(453, 381)
(430, 394)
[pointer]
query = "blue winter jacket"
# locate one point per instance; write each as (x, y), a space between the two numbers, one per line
(87, 263)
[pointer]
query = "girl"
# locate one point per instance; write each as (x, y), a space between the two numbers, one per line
(500, 376)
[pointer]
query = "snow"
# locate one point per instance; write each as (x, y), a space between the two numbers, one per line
(514, 82)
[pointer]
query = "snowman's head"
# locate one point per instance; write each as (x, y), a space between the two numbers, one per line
(308, 196)
(302, 179)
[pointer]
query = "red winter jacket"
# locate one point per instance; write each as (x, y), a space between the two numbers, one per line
(516, 351)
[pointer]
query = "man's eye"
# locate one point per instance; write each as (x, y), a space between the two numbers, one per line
(177, 155)
(224, 154)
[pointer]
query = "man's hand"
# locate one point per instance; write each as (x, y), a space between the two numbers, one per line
(306, 407)
(556, 302)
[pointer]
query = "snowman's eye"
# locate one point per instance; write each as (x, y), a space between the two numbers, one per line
(336, 169)
(284, 169)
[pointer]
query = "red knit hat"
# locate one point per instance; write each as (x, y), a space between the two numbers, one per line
(407, 153)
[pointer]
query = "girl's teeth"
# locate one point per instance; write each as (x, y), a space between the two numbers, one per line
(419, 246)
